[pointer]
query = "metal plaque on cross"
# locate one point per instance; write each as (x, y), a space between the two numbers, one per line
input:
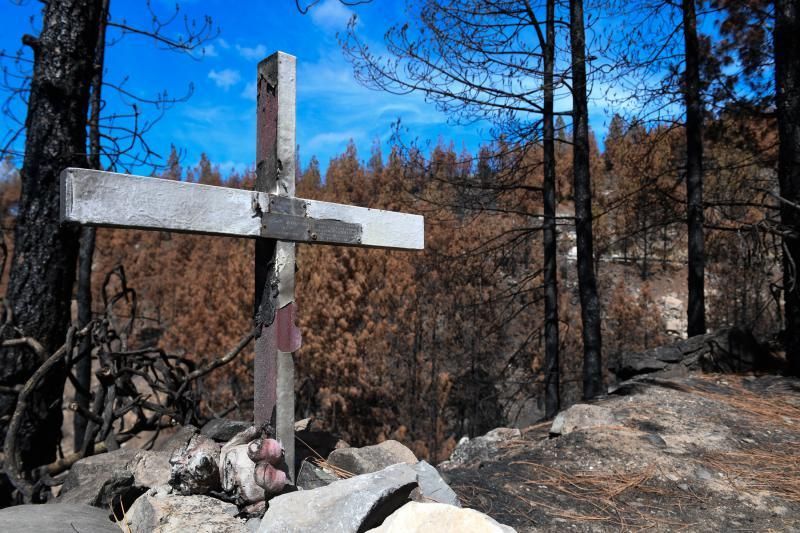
(270, 214)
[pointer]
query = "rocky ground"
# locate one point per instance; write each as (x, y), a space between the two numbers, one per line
(699, 453)
(670, 448)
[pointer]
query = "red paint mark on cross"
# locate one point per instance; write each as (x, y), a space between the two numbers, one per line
(289, 339)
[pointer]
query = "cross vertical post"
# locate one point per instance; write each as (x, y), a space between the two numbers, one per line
(275, 260)
(270, 214)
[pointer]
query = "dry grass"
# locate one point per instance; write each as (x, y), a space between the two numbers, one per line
(775, 472)
(592, 497)
(768, 409)
(555, 494)
(121, 523)
(320, 461)
(771, 467)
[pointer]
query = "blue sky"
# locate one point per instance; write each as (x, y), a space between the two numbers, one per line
(219, 118)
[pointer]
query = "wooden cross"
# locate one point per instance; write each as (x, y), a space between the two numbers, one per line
(270, 214)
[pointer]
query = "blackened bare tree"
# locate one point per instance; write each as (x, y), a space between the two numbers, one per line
(660, 85)
(68, 63)
(694, 172)
(83, 368)
(582, 190)
(43, 266)
(787, 88)
(551, 364)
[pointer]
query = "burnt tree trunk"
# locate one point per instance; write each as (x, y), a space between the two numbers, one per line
(43, 267)
(83, 368)
(787, 89)
(582, 192)
(551, 373)
(694, 172)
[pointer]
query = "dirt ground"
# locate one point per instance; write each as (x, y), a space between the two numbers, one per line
(703, 453)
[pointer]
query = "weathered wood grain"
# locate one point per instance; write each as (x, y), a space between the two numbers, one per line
(121, 200)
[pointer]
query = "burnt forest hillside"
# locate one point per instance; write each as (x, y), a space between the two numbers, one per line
(426, 348)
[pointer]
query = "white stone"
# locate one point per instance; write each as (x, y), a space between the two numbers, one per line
(441, 518)
(582, 416)
(158, 511)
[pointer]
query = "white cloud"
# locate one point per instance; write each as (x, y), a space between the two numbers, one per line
(225, 167)
(225, 132)
(334, 140)
(225, 78)
(223, 43)
(213, 114)
(208, 50)
(250, 91)
(7, 170)
(255, 53)
(331, 15)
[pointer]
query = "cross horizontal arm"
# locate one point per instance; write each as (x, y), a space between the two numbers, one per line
(120, 200)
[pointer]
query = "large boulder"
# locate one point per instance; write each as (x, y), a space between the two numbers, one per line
(160, 511)
(427, 517)
(432, 488)
(179, 439)
(582, 416)
(223, 430)
(56, 518)
(480, 448)
(346, 506)
(727, 350)
(114, 479)
(371, 458)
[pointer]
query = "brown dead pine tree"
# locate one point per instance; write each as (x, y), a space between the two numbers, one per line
(473, 58)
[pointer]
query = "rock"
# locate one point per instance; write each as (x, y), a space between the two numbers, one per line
(237, 475)
(311, 477)
(254, 510)
(686, 436)
(727, 350)
(480, 448)
(195, 468)
(178, 440)
(99, 480)
(117, 478)
(253, 524)
(150, 469)
(158, 511)
(56, 518)
(349, 505)
(439, 517)
(582, 416)
(371, 458)
(222, 429)
(432, 487)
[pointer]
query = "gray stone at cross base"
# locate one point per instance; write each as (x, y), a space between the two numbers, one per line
(347, 506)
